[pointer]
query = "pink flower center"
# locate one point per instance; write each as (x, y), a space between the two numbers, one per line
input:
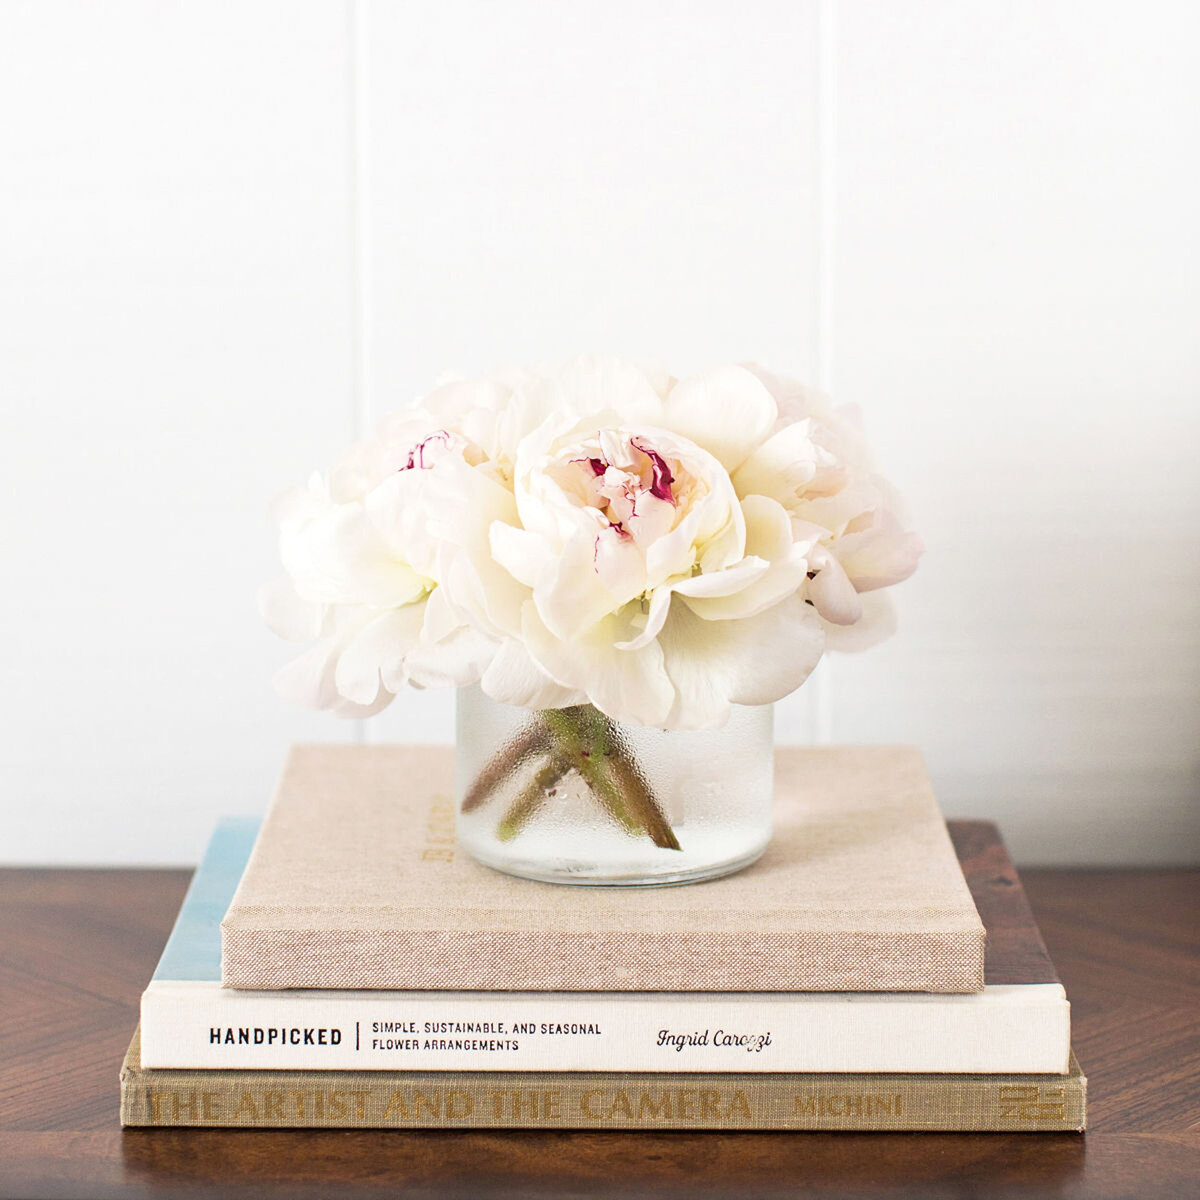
(630, 485)
(660, 473)
(421, 457)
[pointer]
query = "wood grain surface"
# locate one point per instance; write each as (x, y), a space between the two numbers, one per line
(1015, 951)
(78, 947)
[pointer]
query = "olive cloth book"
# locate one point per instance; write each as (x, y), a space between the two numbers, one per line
(355, 882)
(408, 1099)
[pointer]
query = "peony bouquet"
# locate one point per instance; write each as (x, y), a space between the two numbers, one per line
(600, 542)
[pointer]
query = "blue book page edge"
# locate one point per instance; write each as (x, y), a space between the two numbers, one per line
(193, 951)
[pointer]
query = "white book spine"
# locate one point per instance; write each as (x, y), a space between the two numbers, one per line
(1013, 1028)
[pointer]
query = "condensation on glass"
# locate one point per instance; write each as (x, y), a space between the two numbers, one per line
(570, 796)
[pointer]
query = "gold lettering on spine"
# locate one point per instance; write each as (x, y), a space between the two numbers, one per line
(246, 1108)
(519, 1106)
(460, 1105)
(846, 1105)
(673, 1105)
(654, 1110)
(1030, 1102)
(396, 1106)
(530, 1103)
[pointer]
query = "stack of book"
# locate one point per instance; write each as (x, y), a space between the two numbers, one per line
(344, 967)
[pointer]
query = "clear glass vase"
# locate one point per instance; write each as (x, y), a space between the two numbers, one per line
(570, 796)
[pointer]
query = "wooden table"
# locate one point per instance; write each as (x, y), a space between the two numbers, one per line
(77, 947)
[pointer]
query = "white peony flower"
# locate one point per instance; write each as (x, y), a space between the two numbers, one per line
(816, 463)
(652, 589)
(364, 561)
(598, 533)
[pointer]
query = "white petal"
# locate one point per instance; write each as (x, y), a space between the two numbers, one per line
(618, 562)
(628, 685)
(287, 615)
(441, 616)
(648, 624)
(831, 591)
(339, 558)
(309, 681)
(877, 624)
(485, 591)
(300, 504)
(756, 660)
(375, 656)
(770, 541)
(780, 467)
(596, 385)
(457, 659)
(571, 595)
(732, 580)
(711, 535)
(835, 512)
(456, 403)
(512, 677)
(399, 513)
(464, 503)
(522, 554)
(674, 554)
(659, 378)
(881, 556)
(725, 410)
(357, 471)
(349, 711)
(729, 582)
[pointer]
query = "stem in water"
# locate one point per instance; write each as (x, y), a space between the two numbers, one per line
(579, 738)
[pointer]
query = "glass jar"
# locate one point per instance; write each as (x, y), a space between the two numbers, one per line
(570, 796)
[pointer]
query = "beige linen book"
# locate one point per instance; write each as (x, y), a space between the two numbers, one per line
(355, 883)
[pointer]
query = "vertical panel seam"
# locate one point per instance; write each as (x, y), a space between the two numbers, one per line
(358, 242)
(822, 680)
(358, 205)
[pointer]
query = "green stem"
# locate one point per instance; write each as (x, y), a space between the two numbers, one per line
(579, 737)
(530, 798)
(583, 739)
(503, 763)
(612, 774)
(635, 785)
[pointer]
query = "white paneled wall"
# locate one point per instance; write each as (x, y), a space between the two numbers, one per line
(231, 235)
(1018, 309)
(174, 342)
